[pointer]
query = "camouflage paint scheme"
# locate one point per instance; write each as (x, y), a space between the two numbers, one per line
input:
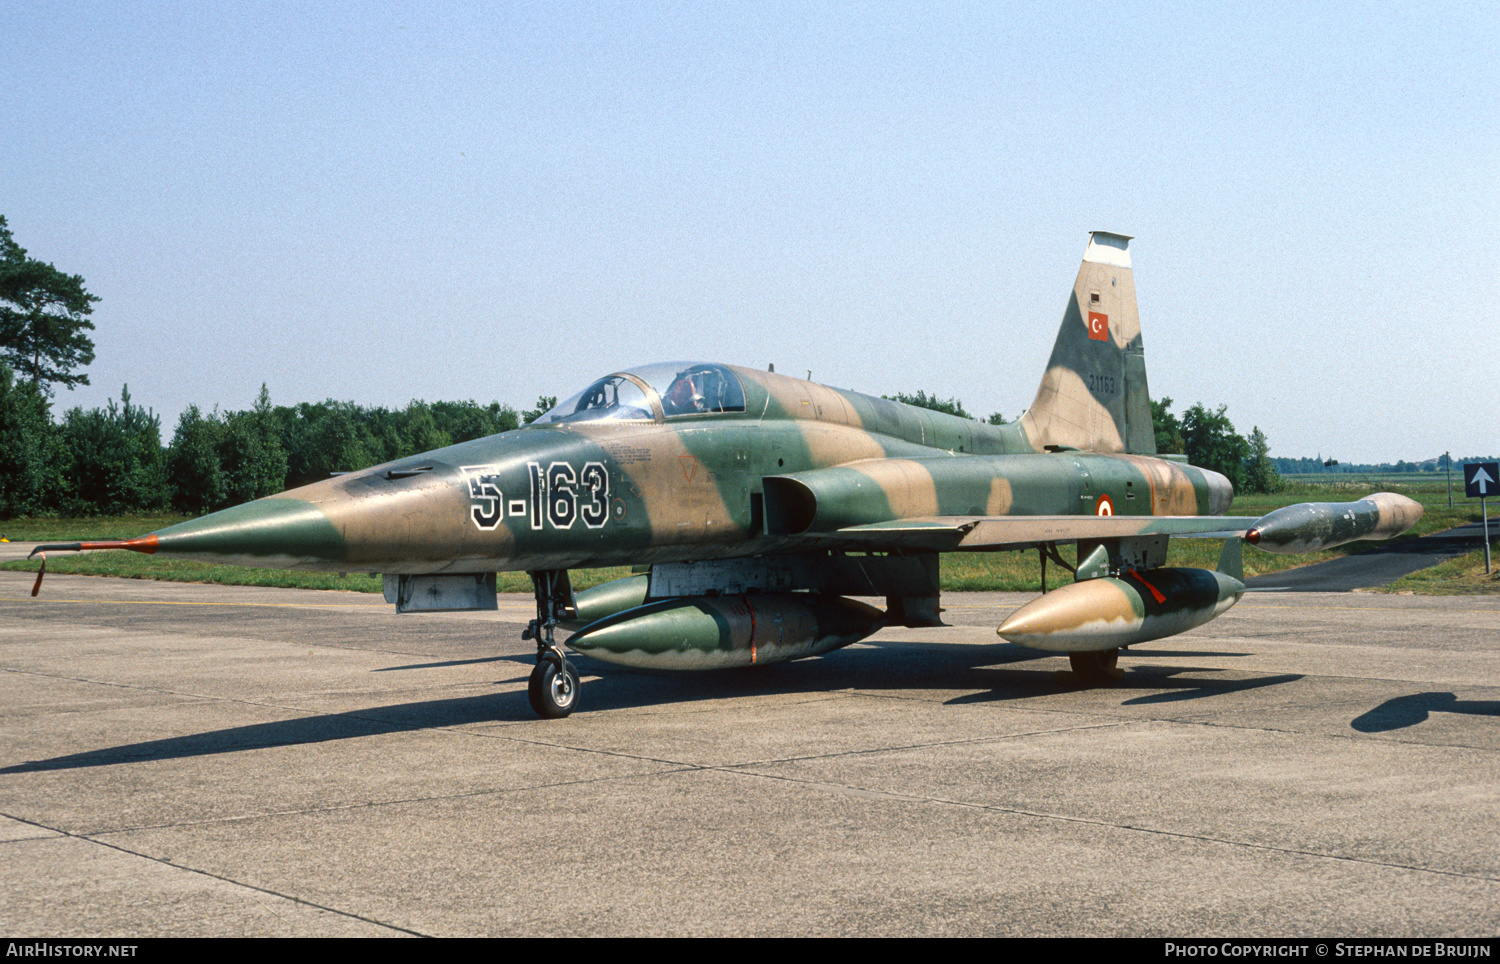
(1114, 611)
(799, 463)
(736, 484)
(1308, 526)
(685, 488)
(743, 630)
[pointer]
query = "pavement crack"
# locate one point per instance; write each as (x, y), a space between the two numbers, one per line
(302, 901)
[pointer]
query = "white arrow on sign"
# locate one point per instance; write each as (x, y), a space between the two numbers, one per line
(1480, 478)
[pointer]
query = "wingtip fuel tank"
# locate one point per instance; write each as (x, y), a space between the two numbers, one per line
(1310, 526)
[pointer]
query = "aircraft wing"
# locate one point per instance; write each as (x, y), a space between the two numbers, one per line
(993, 533)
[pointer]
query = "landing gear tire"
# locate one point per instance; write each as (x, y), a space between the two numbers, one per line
(553, 689)
(1095, 666)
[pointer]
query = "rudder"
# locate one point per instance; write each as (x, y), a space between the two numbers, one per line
(1093, 396)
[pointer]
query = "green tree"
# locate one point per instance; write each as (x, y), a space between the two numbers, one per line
(420, 431)
(31, 471)
(1260, 469)
(1211, 443)
(464, 421)
(544, 404)
(995, 419)
(320, 439)
(219, 460)
(114, 458)
(1168, 429)
(922, 400)
(43, 318)
(251, 453)
(194, 469)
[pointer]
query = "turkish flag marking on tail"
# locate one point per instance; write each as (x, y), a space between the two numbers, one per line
(1098, 326)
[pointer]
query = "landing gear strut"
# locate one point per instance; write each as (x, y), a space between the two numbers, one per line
(553, 688)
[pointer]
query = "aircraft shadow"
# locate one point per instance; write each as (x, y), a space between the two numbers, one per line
(375, 721)
(1405, 711)
(454, 662)
(906, 667)
(1012, 685)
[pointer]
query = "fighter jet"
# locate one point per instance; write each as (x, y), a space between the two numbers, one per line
(754, 504)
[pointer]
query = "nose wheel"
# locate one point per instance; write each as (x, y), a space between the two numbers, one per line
(553, 687)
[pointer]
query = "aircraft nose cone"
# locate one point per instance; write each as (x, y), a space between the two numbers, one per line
(380, 520)
(275, 532)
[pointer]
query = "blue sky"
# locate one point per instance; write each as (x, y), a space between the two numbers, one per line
(381, 202)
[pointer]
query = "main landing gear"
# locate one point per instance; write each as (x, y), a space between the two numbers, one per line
(553, 688)
(1095, 666)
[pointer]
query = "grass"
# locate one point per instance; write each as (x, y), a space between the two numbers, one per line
(122, 564)
(997, 571)
(1464, 576)
(85, 528)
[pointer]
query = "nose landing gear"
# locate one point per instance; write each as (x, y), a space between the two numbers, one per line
(553, 688)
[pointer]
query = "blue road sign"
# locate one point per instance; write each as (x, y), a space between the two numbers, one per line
(1481, 480)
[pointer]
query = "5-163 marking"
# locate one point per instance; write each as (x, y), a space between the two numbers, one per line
(557, 495)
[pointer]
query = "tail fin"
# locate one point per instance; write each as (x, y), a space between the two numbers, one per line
(1093, 396)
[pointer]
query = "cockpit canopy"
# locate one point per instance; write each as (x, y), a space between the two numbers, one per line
(668, 390)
